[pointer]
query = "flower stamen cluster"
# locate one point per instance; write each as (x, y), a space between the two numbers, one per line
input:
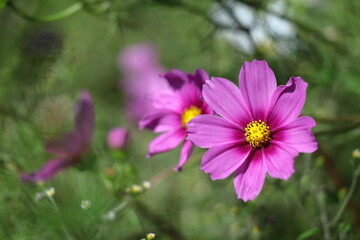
(258, 134)
(188, 114)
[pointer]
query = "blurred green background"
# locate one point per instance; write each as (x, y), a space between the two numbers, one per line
(46, 61)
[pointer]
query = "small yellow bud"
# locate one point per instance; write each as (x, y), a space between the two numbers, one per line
(85, 204)
(356, 153)
(50, 192)
(255, 229)
(136, 189)
(150, 236)
(342, 193)
(146, 185)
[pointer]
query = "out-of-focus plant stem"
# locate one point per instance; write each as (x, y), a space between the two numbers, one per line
(346, 119)
(120, 206)
(320, 198)
(239, 25)
(49, 18)
(161, 222)
(339, 183)
(301, 25)
(352, 122)
(154, 181)
(339, 129)
(169, 171)
(344, 204)
(68, 236)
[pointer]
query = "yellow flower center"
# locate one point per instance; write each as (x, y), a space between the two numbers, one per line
(258, 134)
(188, 114)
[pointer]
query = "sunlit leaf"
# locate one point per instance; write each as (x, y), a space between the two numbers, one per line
(309, 233)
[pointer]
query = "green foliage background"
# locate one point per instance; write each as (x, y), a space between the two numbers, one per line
(45, 64)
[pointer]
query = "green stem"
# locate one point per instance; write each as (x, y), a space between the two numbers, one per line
(338, 130)
(320, 197)
(49, 18)
(343, 119)
(120, 206)
(300, 25)
(169, 171)
(347, 198)
(154, 181)
(68, 236)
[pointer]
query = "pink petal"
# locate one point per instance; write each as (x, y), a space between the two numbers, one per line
(160, 120)
(49, 169)
(73, 143)
(166, 141)
(226, 99)
(185, 154)
(206, 109)
(222, 160)
(176, 78)
(199, 77)
(287, 102)
(167, 99)
(138, 58)
(250, 177)
(298, 135)
(205, 131)
(84, 118)
(191, 92)
(68, 144)
(190, 95)
(140, 67)
(279, 159)
(257, 84)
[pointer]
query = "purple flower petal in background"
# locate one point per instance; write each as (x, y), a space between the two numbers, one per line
(258, 131)
(118, 138)
(141, 77)
(173, 109)
(69, 147)
(47, 171)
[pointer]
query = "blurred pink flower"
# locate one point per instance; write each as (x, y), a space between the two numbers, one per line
(141, 71)
(173, 108)
(118, 138)
(69, 147)
(258, 131)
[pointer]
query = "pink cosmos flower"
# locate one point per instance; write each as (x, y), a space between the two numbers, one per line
(141, 71)
(258, 131)
(173, 108)
(69, 147)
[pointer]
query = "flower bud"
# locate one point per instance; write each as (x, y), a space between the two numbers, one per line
(50, 192)
(118, 138)
(85, 204)
(356, 153)
(150, 236)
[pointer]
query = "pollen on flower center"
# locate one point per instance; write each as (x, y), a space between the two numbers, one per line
(258, 134)
(188, 114)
